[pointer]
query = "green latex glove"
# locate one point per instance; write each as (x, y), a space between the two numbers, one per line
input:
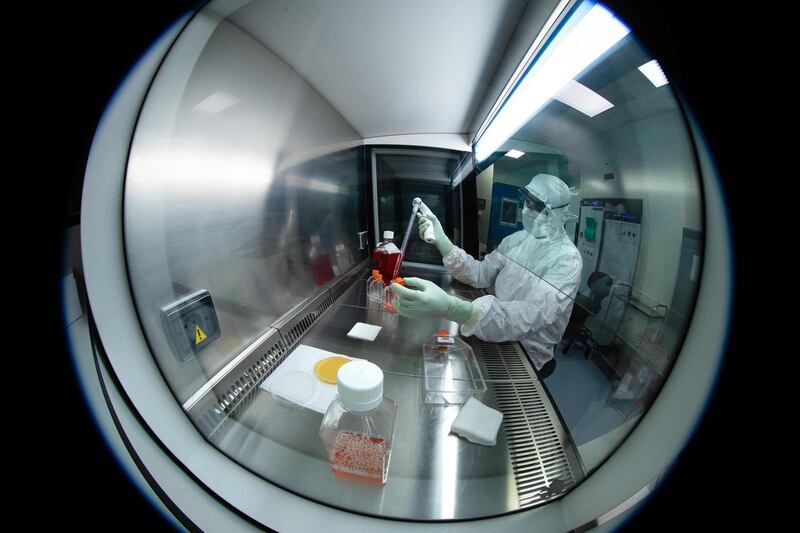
(440, 240)
(429, 301)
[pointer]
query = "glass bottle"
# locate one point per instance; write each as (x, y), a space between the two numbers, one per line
(388, 294)
(387, 256)
(358, 427)
(371, 278)
(376, 287)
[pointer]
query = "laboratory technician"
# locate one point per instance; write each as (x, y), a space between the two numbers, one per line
(535, 273)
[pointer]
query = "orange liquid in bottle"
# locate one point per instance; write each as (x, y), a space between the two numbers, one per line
(390, 262)
(378, 258)
(359, 457)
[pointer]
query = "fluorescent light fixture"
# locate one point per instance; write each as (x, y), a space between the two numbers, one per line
(582, 98)
(654, 73)
(516, 154)
(216, 103)
(585, 36)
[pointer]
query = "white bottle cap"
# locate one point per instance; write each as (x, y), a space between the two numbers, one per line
(388, 234)
(360, 385)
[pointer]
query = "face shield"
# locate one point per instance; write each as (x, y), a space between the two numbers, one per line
(537, 215)
(531, 201)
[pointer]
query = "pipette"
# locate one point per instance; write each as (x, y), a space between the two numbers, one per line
(428, 235)
(417, 205)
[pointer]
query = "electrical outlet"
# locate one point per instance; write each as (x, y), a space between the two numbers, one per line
(191, 324)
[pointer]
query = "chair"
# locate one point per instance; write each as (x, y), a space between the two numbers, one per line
(584, 307)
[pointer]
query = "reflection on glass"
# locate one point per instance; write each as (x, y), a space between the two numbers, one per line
(534, 272)
(586, 35)
(634, 216)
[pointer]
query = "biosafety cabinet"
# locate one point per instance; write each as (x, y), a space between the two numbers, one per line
(253, 159)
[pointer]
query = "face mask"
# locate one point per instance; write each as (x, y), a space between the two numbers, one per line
(535, 223)
(528, 218)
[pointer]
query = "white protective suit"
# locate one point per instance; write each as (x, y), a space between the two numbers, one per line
(535, 279)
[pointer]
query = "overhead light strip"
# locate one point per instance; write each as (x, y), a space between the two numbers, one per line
(557, 14)
(654, 73)
(582, 98)
(587, 33)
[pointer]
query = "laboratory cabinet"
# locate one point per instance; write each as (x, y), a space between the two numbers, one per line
(249, 165)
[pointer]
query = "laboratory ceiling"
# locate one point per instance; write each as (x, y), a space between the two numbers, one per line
(390, 68)
(616, 78)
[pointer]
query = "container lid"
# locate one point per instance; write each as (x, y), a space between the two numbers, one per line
(360, 386)
(326, 368)
(388, 234)
(293, 387)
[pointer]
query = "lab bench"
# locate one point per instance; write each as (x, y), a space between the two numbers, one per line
(433, 474)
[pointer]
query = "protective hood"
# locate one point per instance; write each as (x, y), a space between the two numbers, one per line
(548, 223)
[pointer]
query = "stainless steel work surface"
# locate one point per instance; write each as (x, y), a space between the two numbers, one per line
(433, 474)
(398, 347)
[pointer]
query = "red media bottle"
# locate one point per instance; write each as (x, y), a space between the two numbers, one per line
(386, 257)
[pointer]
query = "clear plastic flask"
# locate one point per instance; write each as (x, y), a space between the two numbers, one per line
(358, 428)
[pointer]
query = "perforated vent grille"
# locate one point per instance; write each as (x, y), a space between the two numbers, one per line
(504, 362)
(541, 466)
(237, 395)
(535, 446)
(294, 330)
(232, 393)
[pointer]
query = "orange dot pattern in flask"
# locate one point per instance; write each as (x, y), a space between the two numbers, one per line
(357, 456)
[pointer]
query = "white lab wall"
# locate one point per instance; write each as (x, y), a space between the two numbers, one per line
(652, 160)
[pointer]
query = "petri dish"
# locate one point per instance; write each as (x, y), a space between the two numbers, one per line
(326, 368)
(293, 387)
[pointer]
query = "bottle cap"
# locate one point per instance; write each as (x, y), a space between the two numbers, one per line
(443, 332)
(374, 272)
(388, 234)
(360, 386)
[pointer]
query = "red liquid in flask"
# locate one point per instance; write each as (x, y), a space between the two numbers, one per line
(386, 257)
(378, 256)
(386, 263)
(391, 262)
(357, 456)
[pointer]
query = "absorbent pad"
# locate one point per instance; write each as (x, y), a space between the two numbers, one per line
(477, 423)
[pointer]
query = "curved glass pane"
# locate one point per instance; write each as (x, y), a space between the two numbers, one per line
(252, 206)
(604, 286)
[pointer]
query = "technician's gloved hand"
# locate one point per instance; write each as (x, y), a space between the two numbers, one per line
(429, 301)
(440, 240)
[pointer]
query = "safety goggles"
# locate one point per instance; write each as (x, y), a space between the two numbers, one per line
(531, 201)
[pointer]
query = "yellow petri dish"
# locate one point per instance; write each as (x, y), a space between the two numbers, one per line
(326, 369)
